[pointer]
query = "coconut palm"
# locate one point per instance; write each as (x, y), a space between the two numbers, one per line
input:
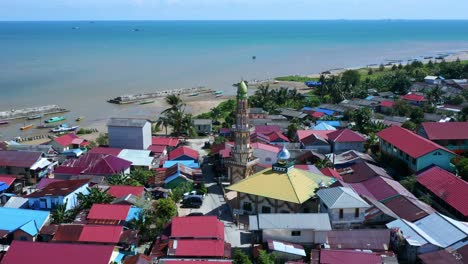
(164, 121)
(95, 195)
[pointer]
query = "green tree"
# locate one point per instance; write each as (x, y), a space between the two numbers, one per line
(417, 115)
(94, 196)
(400, 83)
(381, 67)
(265, 258)
(434, 96)
(60, 214)
(178, 192)
(350, 78)
(409, 125)
(409, 183)
(294, 125)
(462, 167)
(166, 209)
(102, 139)
(370, 71)
(362, 118)
(394, 67)
(164, 121)
(239, 257)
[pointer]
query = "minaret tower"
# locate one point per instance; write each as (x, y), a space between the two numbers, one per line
(240, 166)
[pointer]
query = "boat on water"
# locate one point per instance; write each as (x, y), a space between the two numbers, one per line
(78, 119)
(55, 119)
(146, 102)
(64, 128)
(26, 127)
(3, 122)
(34, 117)
(218, 92)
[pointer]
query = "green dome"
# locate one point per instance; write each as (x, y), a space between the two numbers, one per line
(242, 90)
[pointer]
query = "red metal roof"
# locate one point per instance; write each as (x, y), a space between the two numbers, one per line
(409, 142)
(94, 164)
(387, 103)
(59, 188)
(447, 187)
(7, 179)
(267, 147)
(373, 239)
(348, 256)
(276, 136)
(197, 227)
(193, 261)
(408, 208)
(123, 190)
(345, 135)
(57, 253)
(21, 159)
(109, 212)
(68, 233)
(138, 259)
(165, 141)
(317, 114)
(181, 151)
(362, 171)
(413, 97)
(158, 149)
(302, 134)
(265, 129)
(104, 150)
(69, 139)
(198, 248)
(383, 188)
(331, 172)
(448, 130)
(444, 256)
(101, 233)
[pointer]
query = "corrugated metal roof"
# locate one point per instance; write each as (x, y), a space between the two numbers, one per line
(15, 202)
(197, 227)
(341, 197)
(21, 159)
(127, 122)
(414, 235)
(285, 247)
(345, 135)
(318, 222)
(373, 239)
(447, 130)
(101, 233)
(408, 207)
(124, 190)
(58, 188)
(330, 256)
(443, 229)
(197, 248)
(137, 157)
(180, 151)
(109, 212)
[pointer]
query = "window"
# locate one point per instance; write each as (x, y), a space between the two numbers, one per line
(266, 209)
(356, 213)
(247, 206)
(296, 233)
(413, 160)
(341, 213)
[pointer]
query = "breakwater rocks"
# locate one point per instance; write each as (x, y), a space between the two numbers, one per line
(133, 98)
(31, 111)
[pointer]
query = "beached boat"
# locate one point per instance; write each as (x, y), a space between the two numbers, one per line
(194, 94)
(146, 102)
(78, 119)
(64, 128)
(218, 95)
(44, 126)
(218, 92)
(26, 127)
(34, 117)
(55, 119)
(3, 122)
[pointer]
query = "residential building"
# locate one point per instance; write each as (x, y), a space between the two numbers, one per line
(451, 135)
(96, 234)
(349, 158)
(362, 171)
(386, 107)
(179, 173)
(203, 126)
(129, 133)
(123, 190)
(415, 151)
(58, 253)
(21, 224)
(170, 142)
(433, 79)
(408, 207)
(346, 139)
(184, 153)
(93, 164)
(267, 153)
(26, 165)
(332, 256)
(109, 214)
(280, 189)
(414, 99)
(446, 191)
(376, 240)
(293, 228)
(344, 206)
(445, 256)
(285, 252)
(290, 113)
(46, 150)
(316, 140)
(9, 184)
(68, 142)
(58, 193)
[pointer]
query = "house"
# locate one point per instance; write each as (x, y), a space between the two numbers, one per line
(316, 140)
(291, 113)
(446, 256)
(109, 214)
(408, 207)
(106, 151)
(184, 153)
(68, 142)
(26, 165)
(376, 240)
(414, 99)
(197, 237)
(349, 158)
(331, 256)
(344, 206)
(16, 202)
(324, 111)
(21, 224)
(289, 190)
(129, 133)
(58, 193)
(8, 185)
(446, 189)
(138, 259)
(203, 126)
(433, 79)
(98, 234)
(325, 126)
(138, 158)
(429, 234)
(46, 150)
(415, 151)
(346, 139)
(276, 138)
(123, 190)
(386, 106)
(451, 135)
(93, 164)
(177, 174)
(293, 228)
(169, 142)
(362, 171)
(285, 252)
(58, 253)
(265, 152)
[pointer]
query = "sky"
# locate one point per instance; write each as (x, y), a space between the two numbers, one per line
(231, 9)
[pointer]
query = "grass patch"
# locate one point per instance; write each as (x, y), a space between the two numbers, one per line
(296, 78)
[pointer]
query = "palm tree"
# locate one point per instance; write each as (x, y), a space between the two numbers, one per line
(95, 195)
(60, 215)
(434, 96)
(164, 121)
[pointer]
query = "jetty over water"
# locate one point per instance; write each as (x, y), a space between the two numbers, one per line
(26, 112)
(133, 98)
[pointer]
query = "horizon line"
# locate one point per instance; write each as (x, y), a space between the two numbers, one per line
(232, 20)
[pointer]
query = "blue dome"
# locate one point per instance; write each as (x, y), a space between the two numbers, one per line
(283, 155)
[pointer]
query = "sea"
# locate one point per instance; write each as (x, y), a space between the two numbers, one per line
(81, 64)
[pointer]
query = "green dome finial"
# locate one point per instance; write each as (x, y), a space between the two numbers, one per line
(242, 90)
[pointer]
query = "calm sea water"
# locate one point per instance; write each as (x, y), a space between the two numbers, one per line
(81, 64)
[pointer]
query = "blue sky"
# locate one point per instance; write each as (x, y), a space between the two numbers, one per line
(230, 9)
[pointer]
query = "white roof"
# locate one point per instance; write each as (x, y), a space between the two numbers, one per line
(430, 77)
(341, 197)
(42, 163)
(318, 222)
(15, 202)
(137, 157)
(414, 235)
(288, 248)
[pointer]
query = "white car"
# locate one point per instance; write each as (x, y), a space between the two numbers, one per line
(194, 194)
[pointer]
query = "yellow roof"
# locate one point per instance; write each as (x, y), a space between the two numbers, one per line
(296, 186)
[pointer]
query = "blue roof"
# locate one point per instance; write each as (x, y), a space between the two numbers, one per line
(133, 213)
(188, 163)
(30, 221)
(306, 108)
(324, 126)
(370, 97)
(331, 123)
(325, 111)
(3, 186)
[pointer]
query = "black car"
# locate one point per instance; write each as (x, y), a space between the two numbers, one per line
(192, 202)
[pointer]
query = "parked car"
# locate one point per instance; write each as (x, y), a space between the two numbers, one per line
(194, 194)
(192, 202)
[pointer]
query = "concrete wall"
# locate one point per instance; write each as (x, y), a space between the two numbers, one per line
(265, 157)
(324, 149)
(203, 128)
(72, 200)
(306, 236)
(339, 147)
(130, 137)
(49, 202)
(348, 219)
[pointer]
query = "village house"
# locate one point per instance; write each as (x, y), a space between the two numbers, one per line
(433, 79)
(9, 184)
(110, 214)
(316, 140)
(451, 135)
(289, 190)
(445, 256)
(47, 150)
(386, 107)
(119, 191)
(139, 158)
(203, 126)
(415, 151)
(58, 193)
(26, 165)
(96, 234)
(286, 252)
(332, 256)
(346, 139)
(375, 240)
(446, 191)
(344, 206)
(169, 142)
(349, 158)
(129, 133)
(68, 142)
(266, 153)
(414, 99)
(184, 153)
(21, 224)
(294, 228)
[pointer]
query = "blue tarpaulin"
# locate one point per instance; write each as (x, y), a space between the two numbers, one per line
(325, 111)
(331, 123)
